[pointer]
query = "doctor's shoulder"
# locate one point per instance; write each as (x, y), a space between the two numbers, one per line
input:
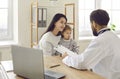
(99, 40)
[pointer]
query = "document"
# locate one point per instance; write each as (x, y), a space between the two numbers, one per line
(8, 65)
(61, 49)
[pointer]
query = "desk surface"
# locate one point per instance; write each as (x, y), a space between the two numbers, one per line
(70, 73)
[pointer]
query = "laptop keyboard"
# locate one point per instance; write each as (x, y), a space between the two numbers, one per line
(50, 72)
(53, 75)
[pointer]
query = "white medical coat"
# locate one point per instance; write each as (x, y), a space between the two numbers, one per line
(102, 55)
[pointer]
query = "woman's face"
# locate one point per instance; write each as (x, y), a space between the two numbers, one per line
(60, 24)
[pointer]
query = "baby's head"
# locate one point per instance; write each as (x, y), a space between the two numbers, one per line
(66, 33)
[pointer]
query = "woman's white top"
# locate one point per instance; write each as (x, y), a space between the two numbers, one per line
(48, 42)
(102, 55)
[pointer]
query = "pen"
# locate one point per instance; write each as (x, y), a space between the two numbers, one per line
(54, 66)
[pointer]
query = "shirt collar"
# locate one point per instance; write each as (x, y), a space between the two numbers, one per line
(103, 30)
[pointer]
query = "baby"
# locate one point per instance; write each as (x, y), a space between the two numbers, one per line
(66, 40)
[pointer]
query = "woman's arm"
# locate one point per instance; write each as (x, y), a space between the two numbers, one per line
(47, 47)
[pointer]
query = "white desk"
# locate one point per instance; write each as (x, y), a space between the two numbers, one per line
(70, 73)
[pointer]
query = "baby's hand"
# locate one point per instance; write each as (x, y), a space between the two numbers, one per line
(64, 55)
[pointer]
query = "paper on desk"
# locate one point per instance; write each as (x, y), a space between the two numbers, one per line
(8, 65)
(63, 49)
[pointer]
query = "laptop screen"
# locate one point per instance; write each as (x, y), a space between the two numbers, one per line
(28, 62)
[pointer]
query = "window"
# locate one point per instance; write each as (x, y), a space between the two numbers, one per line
(87, 6)
(6, 20)
(113, 8)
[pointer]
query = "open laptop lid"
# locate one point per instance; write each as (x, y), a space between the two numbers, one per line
(28, 62)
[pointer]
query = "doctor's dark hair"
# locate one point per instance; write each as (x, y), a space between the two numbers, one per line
(100, 16)
(54, 20)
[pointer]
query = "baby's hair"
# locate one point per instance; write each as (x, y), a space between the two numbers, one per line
(67, 27)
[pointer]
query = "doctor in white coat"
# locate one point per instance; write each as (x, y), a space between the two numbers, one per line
(103, 53)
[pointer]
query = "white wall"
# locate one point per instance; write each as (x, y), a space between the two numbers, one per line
(5, 53)
(21, 26)
(24, 22)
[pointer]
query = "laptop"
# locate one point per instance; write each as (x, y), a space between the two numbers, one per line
(28, 63)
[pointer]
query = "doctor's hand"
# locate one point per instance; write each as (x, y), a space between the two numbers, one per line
(64, 55)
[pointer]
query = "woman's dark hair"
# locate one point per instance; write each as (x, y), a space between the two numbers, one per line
(67, 27)
(100, 16)
(54, 20)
